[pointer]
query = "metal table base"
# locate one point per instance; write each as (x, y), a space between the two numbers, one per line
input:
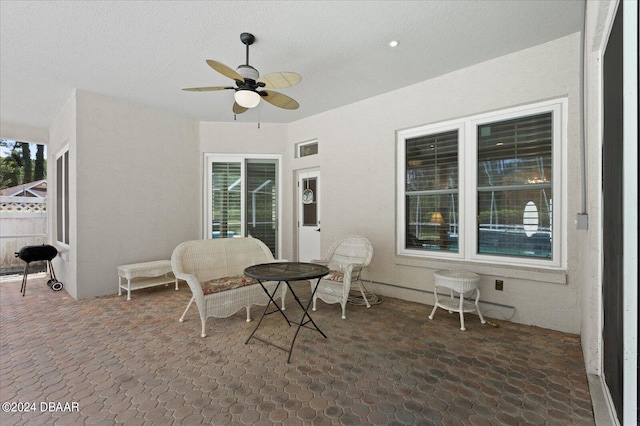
(306, 321)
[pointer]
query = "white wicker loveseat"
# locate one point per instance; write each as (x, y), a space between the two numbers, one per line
(214, 270)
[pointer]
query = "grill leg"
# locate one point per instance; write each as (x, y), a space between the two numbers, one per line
(52, 273)
(23, 289)
(53, 281)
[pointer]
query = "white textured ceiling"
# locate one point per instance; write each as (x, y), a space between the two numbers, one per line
(146, 51)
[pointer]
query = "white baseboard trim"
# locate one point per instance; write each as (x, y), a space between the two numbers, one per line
(604, 413)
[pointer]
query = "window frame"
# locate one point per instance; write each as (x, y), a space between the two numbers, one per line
(402, 137)
(468, 191)
(62, 218)
(209, 159)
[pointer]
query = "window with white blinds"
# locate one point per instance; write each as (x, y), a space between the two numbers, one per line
(482, 188)
(431, 194)
(226, 200)
(242, 198)
(261, 206)
(515, 190)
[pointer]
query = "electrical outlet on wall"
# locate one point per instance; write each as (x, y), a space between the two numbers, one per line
(499, 285)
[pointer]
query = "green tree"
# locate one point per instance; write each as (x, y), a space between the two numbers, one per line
(17, 166)
(27, 162)
(40, 168)
(11, 165)
(9, 173)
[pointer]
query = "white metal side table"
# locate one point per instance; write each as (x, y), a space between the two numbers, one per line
(461, 282)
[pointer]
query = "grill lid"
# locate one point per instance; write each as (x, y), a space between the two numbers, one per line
(33, 253)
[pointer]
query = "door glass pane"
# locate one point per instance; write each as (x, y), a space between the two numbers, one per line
(310, 206)
(261, 199)
(226, 200)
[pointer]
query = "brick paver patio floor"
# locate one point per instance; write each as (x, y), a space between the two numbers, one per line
(111, 361)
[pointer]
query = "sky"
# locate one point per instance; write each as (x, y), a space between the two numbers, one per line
(6, 151)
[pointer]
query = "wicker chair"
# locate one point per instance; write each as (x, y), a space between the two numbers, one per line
(214, 270)
(346, 259)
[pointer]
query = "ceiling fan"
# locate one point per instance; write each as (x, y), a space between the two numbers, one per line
(248, 81)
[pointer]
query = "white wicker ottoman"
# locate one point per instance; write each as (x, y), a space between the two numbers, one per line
(461, 282)
(143, 275)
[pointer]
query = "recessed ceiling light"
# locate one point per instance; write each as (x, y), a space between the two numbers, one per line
(393, 43)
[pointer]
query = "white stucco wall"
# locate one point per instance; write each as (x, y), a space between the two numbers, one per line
(243, 138)
(135, 173)
(357, 159)
(62, 136)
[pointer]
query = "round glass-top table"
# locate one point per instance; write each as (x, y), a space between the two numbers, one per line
(286, 272)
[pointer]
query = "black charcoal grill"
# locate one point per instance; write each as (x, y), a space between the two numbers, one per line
(39, 253)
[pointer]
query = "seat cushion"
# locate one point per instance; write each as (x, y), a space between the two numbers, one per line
(226, 283)
(334, 276)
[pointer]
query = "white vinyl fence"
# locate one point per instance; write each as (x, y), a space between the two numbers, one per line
(23, 222)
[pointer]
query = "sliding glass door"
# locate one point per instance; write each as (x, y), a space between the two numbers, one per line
(241, 198)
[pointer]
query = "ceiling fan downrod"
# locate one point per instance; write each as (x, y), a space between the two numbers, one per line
(247, 39)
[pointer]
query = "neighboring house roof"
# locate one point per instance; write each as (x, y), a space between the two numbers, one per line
(37, 188)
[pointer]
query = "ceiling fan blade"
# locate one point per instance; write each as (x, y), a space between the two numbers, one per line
(237, 109)
(280, 80)
(280, 100)
(207, 89)
(225, 70)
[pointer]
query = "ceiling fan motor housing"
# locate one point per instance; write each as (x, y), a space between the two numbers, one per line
(248, 72)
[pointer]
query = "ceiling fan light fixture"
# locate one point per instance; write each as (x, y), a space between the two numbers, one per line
(247, 98)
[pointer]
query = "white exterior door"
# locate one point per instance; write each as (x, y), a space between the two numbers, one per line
(308, 215)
